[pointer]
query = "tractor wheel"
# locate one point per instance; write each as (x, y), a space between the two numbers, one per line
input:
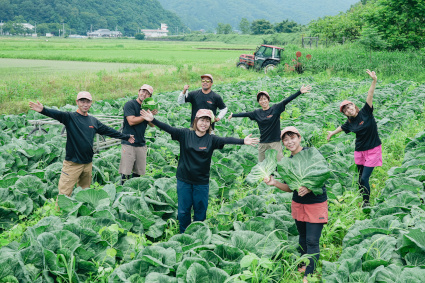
(242, 65)
(269, 65)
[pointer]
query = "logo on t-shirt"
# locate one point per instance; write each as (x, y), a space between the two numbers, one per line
(361, 123)
(91, 127)
(204, 147)
(210, 102)
(269, 116)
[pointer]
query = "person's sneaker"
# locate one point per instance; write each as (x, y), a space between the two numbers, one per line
(366, 207)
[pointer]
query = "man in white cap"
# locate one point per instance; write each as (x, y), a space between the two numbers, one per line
(133, 155)
(80, 131)
(204, 98)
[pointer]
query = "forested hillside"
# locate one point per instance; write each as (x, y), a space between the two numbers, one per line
(80, 15)
(206, 14)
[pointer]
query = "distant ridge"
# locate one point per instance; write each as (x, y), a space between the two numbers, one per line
(206, 14)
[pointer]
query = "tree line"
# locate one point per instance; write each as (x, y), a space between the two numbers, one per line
(260, 27)
(377, 24)
(80, 16)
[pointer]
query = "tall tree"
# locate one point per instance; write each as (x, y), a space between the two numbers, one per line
(224, 28)
(261, 27)
(244, 26)
(402, 22)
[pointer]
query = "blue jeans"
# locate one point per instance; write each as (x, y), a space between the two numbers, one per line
(191, 195)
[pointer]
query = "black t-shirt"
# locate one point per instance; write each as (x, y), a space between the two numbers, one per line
(80, 132)
(365, 128)
(200, 100)
(132, 108)
(195, 152)
(309, 198)
(269, 120)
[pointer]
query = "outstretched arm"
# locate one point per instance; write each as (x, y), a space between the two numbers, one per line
(331, 133)
(242, 114)
(271, 181)
(369, 98)
(303, 89)
(148, 116)
(52, 113)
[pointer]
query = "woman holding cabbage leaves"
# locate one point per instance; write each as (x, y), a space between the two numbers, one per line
(309, 202)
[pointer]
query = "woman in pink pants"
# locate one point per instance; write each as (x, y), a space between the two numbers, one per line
(368, 151)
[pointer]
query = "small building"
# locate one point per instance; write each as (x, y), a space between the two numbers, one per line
(104, 33)
(76, 36)
(149, 33)
(49, 34)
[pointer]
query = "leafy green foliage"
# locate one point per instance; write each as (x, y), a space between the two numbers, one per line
(106, 232)
(263, 169)
(308, 168)
(139, 36)
(150, 104)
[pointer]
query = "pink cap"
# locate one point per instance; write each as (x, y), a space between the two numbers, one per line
(147, 87)
(289, 129)
(263, 92)
(205, 113)
(207, 76)
(345, 102)
(84, 94)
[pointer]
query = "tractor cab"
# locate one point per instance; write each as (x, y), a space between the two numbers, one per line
(265, 57)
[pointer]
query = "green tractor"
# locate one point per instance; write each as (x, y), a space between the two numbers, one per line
(266, 57)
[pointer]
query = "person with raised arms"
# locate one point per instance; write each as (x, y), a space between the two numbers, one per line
(268, 120)
(193, 171)
(80, 131)
(310, 211)
(204, 98)
(368, 150)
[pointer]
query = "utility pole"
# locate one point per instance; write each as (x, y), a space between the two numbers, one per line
(1, 27)
(59, 32)
(35, 27)
(63, 29)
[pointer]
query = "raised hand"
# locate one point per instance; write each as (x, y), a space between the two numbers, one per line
(305, 89)
(185, 88)
(372, 74)
(251, 141)
(155, 111)
(147, 115)
(36, 106)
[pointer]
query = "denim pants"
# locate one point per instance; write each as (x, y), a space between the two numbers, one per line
(191, 195)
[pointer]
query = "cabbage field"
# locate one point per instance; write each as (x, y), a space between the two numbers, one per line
(113, 233)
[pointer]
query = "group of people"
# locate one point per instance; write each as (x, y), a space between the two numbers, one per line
(198, 143)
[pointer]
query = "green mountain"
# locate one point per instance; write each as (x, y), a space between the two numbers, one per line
(80, 15)
(206, 14)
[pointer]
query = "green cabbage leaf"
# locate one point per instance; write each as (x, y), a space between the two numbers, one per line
(150, 104)
(264, 168)
(307, 168)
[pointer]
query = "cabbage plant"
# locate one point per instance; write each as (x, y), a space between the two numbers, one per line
(307, 168)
